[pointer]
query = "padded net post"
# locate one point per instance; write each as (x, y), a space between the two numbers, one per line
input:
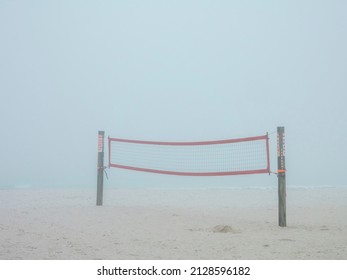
(100, 169)
(282, 215)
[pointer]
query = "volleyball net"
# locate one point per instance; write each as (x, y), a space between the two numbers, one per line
(205, 158)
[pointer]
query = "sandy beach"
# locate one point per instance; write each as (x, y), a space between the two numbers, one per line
(172, 223)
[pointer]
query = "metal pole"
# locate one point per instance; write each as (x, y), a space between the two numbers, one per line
(100, 170)
(281, 174)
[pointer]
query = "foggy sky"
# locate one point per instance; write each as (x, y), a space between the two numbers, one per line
(170, 70)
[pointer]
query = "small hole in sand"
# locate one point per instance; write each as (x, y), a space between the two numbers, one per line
(222, 229)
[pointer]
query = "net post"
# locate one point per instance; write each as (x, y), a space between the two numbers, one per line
(100, 169)
(282, 216)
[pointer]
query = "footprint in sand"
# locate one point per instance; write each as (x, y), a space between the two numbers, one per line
(287, 239)
(222, 229)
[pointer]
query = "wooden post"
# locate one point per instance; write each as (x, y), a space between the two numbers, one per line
(100, 170)
(282, 216)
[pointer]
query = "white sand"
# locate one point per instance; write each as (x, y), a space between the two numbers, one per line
(172, 224)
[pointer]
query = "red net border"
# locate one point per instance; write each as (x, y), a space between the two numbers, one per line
(199, 143)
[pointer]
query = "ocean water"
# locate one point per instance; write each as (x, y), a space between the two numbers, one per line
(168, 186)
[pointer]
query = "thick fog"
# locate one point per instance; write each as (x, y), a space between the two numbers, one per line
(174, 71)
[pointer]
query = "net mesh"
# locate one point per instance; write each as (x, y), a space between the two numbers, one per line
(209, 158)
